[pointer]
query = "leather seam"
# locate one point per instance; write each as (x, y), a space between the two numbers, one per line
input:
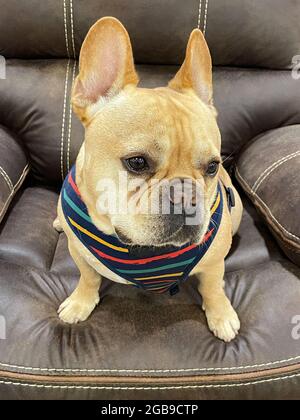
(221, 369)
(72, 29)
(205, 17)
(271, 168)
(251, 192)
(14, 190)
(66, 28)
(73, 79)
(151, 388)
(70, 120)
(6, 179)
(199, 14)
(145, 380)
(64, 121)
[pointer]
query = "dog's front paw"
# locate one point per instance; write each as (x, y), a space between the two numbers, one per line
(75, 309)
(223, 322)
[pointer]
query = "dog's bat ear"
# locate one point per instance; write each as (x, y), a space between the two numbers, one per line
(196, 71)
(106, 65)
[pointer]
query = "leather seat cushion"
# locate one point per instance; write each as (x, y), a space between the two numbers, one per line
(133, 338)
(268, 170)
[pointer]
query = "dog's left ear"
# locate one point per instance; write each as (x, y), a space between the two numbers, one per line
(196, 71)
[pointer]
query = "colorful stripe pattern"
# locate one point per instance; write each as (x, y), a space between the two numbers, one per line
(157, 270)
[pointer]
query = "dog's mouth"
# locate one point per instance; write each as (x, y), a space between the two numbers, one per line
(123, 237)
(182, 235)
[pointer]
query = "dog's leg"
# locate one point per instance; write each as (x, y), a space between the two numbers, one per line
(221, 317)
(85, 297)
(57, 226)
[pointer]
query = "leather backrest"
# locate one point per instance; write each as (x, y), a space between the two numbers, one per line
(41, 38)
(264, 33)
(35, 106)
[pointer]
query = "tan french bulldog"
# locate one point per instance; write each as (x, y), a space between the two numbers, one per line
(167, 133)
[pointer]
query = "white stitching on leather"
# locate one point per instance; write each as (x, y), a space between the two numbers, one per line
(70, 120)
(73, 78)
(265, 205)
(6, 178)
(66, 29)
(268, 168)
(199, 14)
(150, 388)
(239, 174)
(271, 168)
(64, 122)
(72, 29)
(205, 18)
(13, 191)
(221, 369)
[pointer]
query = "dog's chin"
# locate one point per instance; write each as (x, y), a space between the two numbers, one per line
(185, 234)
(123, 237)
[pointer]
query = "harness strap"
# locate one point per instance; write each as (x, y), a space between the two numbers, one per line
(153, 270)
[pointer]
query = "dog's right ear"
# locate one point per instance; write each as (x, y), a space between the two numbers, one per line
(106, 66)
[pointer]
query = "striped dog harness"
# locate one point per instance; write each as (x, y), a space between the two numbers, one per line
(158, 270)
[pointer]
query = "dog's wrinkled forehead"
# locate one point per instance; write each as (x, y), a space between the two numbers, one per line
(156, 120)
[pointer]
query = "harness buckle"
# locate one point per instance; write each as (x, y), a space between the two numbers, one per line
(230, 197)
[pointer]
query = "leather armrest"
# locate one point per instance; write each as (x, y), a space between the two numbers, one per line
(268, 169)
(13, 169)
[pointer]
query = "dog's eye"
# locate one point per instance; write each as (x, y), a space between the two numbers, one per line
(137, 164)
(212, 168)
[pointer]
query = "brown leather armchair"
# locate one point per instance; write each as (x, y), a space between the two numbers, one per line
(136, 345)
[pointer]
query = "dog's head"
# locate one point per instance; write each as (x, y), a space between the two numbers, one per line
(139, 141)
